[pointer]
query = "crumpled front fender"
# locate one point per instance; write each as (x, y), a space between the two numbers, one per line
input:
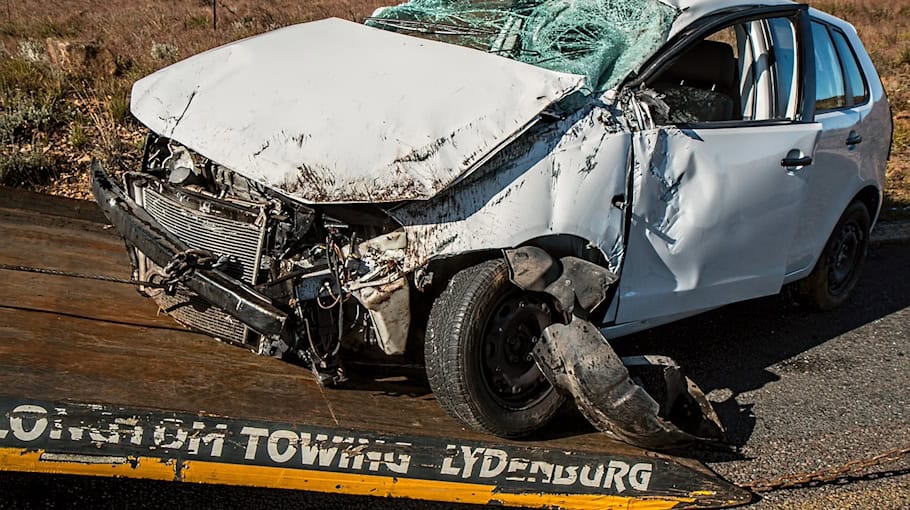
(570, 280)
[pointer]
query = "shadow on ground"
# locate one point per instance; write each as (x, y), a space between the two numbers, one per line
(732, 348)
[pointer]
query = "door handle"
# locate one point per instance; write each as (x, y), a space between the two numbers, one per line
(792, 162)
(854, 138)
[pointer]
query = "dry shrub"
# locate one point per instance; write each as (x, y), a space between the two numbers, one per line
(32, 100)
(29, 168)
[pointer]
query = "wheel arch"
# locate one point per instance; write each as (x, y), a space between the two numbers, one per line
(871, 197)
(443, 268)
(557, 245)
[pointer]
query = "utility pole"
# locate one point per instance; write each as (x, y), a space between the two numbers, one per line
(214, 15)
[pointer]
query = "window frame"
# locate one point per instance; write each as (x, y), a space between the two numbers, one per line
(840, 65)
(867, 96)
(793, 96)
(704, 27)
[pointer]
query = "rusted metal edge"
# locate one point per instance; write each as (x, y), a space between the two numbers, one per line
(101, 440)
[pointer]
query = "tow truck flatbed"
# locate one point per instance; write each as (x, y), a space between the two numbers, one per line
(94, 381)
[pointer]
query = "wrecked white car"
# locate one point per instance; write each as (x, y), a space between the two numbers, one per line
(496, 188)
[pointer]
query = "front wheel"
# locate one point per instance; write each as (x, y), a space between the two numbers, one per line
(840, 264)
(480, 334)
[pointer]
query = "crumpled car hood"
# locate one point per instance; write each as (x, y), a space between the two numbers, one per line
(336, 112)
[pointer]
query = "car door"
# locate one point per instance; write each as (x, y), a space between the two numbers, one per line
(841, 94)
(716, 196)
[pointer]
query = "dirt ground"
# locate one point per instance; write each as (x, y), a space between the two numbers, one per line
(66, 68)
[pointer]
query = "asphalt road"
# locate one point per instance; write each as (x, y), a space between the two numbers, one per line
(800, 391)
(797, 391)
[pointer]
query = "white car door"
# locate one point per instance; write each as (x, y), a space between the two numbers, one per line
(716, 198)
(841, 96)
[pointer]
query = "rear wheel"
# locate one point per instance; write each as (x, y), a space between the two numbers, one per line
(480, 334)
(840, 264)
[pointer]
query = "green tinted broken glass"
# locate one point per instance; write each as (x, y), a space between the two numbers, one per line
(603, 40)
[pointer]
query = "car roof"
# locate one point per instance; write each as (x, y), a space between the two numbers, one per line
(691, 10)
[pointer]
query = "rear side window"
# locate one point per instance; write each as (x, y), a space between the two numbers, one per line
(830, 92)
(856, 84)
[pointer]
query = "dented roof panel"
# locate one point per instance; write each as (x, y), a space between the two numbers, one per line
(334, 111)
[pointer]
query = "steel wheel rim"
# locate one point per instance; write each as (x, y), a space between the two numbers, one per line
(844, 257)
(509, 373)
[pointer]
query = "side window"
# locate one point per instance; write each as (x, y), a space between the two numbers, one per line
(703, 83)
(857, 92)
(829, 78)
(783, 44)
(747, 71)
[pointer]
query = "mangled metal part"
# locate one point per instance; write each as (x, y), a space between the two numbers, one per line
(421, 121)
(384, 290)
(569, 280)
(234, 297)
(577, 359)
(389, 306)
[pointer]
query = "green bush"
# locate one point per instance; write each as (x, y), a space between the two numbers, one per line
(119, 106)
(32, 100)
(28, 169)
(78, 137)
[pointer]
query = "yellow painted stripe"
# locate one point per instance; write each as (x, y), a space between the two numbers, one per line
(13, 459)
(372, 485)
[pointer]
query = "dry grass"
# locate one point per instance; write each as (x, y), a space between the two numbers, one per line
(59, 116)
(884, 27)
(68, 117)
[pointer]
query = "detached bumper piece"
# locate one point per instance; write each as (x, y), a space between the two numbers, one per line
(143, 232)
(655, 406)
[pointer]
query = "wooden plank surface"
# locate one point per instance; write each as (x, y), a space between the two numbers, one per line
(93, 341)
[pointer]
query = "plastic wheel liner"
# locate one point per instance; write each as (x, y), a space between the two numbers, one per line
(642, 400)
(576, 358)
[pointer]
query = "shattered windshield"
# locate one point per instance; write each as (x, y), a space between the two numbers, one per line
(604, 40)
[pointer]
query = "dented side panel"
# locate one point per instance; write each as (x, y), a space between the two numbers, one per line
(559, 178)
(713, 216)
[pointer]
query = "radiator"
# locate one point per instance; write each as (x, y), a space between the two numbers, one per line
(220, 228)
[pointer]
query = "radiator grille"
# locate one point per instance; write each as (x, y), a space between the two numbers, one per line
(197, 313)
(239, 240)
(221, 236)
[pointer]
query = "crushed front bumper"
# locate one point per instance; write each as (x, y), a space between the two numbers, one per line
(140, 230)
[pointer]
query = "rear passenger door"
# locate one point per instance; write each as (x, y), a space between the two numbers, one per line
(841, 93)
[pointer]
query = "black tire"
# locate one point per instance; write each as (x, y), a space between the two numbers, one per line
(473, 326)
(840, 264)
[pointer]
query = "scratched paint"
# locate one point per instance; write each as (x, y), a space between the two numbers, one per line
(559, 178)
